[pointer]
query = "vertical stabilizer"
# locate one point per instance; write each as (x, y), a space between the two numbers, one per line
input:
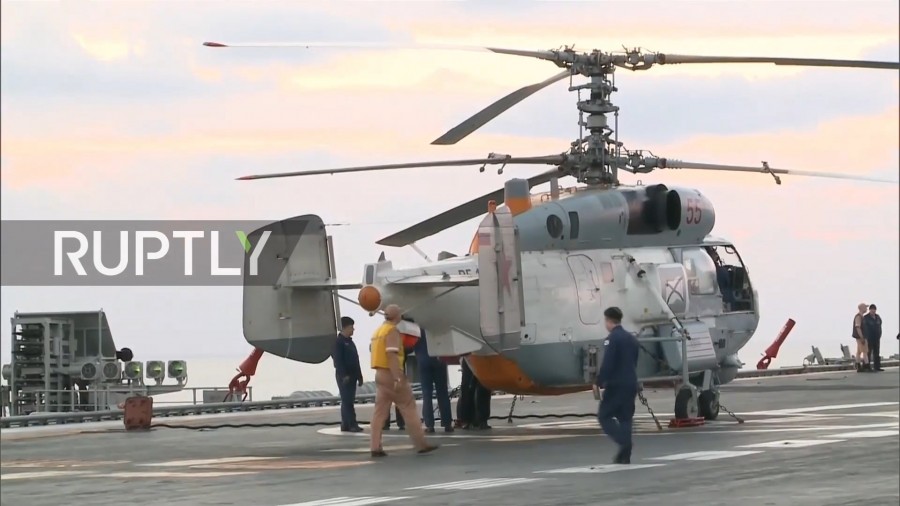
(500, 287)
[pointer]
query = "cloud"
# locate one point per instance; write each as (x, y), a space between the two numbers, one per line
(146, 51)
(854, 144)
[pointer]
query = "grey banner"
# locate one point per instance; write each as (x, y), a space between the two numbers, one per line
(146, 253)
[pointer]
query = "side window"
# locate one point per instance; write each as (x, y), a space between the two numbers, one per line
(554, 226)
(701, 271)
(573, 225)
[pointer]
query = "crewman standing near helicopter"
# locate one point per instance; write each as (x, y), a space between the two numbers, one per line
(392, 386)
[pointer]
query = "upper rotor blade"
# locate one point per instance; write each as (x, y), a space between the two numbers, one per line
(544, 55)
(490, 112)
(678, 164)
(463, 212)
(665, 59)
(536, 160)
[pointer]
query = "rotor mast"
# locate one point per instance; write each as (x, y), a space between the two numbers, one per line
(599, 152)
(597, 158)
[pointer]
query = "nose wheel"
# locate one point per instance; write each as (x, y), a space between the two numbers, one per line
(686, 405)
(708, 404)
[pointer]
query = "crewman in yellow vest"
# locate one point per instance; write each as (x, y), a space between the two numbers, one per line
(392, 386)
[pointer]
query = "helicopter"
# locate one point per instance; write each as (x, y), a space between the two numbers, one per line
(524, 306)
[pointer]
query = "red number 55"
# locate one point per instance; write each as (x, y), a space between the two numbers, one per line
(694, 212)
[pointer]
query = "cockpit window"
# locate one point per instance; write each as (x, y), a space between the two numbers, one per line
(701, 271)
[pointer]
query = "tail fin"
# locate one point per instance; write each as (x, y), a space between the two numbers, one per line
(290, 299)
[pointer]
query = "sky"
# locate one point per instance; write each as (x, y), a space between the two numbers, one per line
(115, 110)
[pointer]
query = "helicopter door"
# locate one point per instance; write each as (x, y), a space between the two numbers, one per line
(499, 282)
(587, 284)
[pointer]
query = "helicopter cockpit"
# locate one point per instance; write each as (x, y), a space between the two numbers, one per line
(717, 271)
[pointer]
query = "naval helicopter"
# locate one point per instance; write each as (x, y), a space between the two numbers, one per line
(524, 306)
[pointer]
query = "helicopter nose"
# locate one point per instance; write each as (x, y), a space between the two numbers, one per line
(369, 298)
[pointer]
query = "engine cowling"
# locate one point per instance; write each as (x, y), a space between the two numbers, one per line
(690, 212)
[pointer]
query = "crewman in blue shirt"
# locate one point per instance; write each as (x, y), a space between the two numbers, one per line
(347, 373)
(618, 379)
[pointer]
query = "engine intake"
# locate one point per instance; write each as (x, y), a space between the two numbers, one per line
(658, 209)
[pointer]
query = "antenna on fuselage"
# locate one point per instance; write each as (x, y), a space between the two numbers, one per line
(421, 253)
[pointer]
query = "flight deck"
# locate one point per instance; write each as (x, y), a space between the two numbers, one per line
(805, 439)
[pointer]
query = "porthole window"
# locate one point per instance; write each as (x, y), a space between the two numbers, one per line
(554, 226)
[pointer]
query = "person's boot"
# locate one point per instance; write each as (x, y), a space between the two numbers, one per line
(623, 456)
(429, 448)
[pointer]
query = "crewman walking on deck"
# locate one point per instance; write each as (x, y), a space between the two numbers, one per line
(617, 377)
(392, 386)
(348, 374)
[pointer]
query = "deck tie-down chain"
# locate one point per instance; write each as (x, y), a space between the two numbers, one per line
(731, 413)
(647, 405)
(364, 422)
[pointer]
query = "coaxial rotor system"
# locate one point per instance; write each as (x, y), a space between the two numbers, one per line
(597, 155)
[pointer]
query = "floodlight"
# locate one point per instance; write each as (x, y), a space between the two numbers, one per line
(156, 370)
(89, 371)
(133, 371)
(111, 371)
(177, 369)
(7, 371)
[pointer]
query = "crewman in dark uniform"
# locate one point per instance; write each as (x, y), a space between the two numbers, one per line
(872, 331)
(465, 406)
(617, 377)
(482, 405)
(434, 378)
(347, 373)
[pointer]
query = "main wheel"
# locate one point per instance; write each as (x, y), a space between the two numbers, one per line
(709, 404)
(685, 406)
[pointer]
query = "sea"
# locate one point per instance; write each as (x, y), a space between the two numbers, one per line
(275, 377)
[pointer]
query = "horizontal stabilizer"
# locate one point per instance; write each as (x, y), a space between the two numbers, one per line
(325, 285)
(437, 280)
(452, 343)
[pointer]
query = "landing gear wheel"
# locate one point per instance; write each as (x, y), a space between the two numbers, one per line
(685, 405)
(709, 404)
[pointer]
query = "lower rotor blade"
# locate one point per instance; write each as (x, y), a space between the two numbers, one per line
(678, 164)
(463, 212)
(525, 160)
(459, 132)
(664, 59)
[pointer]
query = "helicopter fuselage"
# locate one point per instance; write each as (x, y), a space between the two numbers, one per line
(565, 294)
(568, 279)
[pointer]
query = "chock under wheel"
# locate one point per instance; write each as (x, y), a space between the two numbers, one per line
(676, 423)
